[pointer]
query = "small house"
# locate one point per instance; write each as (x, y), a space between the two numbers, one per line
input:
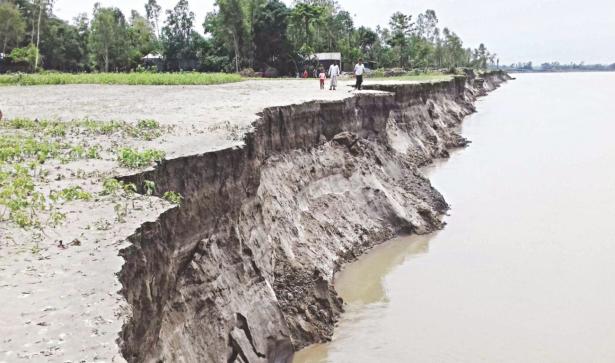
(153, 60)
(327, 59)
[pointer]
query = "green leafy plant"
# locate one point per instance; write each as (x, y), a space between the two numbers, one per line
(18, 196)
(70, 194)
(149, 187)
(148, 124)
(93, 152)
(132, 158)
(112, 186)
(173, 197)
(56, 218)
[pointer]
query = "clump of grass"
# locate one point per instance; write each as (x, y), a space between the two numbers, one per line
(181, 78)
(416, 75)
(70, 194)
(173, 197)
(56, 218)
(93, 152)
(131, 158)
(148, 124)
(114, 187)
(145, 129)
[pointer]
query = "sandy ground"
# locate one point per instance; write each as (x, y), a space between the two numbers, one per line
(201, 113)
(61, 304)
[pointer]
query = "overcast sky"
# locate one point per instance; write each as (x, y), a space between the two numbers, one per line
(517, 30)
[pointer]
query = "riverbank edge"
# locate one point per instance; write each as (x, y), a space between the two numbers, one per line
(243, 270)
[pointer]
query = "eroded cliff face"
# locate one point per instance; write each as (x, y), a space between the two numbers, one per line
(243, 270)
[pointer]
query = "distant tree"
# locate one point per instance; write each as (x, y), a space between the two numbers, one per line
(177, 36)
(107, 38)
(453, 52)
(481, 56)
(427, 26)
(82, 25)
(141, 38)
(367, 38)
(270, 40)
(61, 46)
(152, 13)
(46, 7)
(27, 55)
(12, 26)
(305, 14)
(232, 25)
(347, 24)
(401, 28)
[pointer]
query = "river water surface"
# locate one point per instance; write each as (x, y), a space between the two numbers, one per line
(525, 269)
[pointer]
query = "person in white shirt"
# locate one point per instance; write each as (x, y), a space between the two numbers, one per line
(359, 69)
(334, 71)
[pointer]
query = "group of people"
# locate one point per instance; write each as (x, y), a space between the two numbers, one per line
(334, 72)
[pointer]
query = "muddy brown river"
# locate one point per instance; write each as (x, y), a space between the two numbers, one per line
(525, 269)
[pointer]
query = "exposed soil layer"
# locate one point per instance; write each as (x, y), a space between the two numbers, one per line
(242, 271)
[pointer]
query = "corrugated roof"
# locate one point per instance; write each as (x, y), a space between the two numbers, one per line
(329, 56)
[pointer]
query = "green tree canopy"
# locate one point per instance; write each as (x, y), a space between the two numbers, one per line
(108, 39)
(12, 26)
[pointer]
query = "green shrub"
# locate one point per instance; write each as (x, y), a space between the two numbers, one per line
(70, 194)
(173, 197)
(131, 158)
(112, 186)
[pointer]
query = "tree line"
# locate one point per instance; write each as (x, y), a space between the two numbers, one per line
(262, 35)
(558, 67)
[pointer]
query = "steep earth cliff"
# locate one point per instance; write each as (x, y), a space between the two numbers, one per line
(243, 270)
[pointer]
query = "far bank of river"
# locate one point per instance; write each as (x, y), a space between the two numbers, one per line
(524, 270)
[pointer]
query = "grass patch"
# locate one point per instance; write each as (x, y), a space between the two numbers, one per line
(173, 198)
(114, 187)
(22, 204)
(18, 149)
(18, 196)
(143, 129)
(30, 148)
(182, 78)
(70, 194)
(423, 77)
(131, 158)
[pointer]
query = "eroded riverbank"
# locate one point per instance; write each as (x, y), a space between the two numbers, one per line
(315, 186)
(242, 270)
(522, 271)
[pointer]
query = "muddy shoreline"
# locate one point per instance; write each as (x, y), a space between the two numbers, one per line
(243, 270)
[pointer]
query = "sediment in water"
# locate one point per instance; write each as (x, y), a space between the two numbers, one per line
(243, 270)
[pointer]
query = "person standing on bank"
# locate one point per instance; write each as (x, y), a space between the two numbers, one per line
(359, 69)
(323, 77)
(334, 71)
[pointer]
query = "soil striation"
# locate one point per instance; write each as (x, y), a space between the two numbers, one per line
(243, 270)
